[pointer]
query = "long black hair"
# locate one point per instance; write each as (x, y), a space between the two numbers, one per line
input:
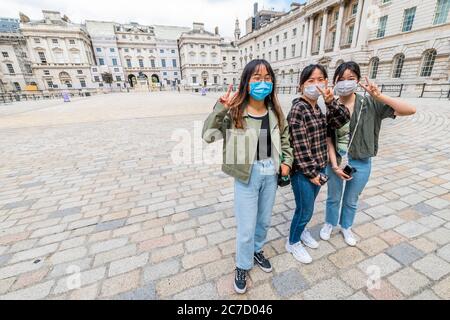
(350, 65)
(308, 71)
(239, 101)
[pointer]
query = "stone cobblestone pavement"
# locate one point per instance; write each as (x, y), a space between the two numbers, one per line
(92, 207)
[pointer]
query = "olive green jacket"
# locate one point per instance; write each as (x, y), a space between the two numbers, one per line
(240, 145)
(365, 144)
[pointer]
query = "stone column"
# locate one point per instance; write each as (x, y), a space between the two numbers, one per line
(357, 22)
(310, 35)
(305, 38)
(323, 33)
(337, 41)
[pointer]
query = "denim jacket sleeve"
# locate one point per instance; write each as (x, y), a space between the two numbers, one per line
(215, 126)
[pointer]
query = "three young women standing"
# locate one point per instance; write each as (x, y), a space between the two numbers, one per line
(256, 147)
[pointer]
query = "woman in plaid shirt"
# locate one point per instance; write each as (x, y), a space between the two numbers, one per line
(308, 126)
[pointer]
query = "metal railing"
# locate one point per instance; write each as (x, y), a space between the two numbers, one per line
(18, 96)
(435, 91)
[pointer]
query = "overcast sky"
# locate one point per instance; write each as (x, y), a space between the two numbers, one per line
(221, 13)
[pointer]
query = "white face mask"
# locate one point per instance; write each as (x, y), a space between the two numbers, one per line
(345, 88)
(311, 91)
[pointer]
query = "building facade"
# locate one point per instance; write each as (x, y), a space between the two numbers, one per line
(108, 70)
(16, 72)
(60, 52)
(394, 41)
(207, 60)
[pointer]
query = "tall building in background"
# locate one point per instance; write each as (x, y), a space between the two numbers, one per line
(16, 72)
(205, 56)
(108, 69)
(394, 41)
(168, 54)
(60, 52)
(260, 18)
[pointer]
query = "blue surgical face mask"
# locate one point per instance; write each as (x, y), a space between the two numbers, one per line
(311, 91)
(260, 90)
(345, 88)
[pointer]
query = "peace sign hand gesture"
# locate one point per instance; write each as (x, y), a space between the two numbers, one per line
(327, 93)
(227, 98)
(371, 88)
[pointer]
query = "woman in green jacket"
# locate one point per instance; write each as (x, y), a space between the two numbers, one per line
(256, 148)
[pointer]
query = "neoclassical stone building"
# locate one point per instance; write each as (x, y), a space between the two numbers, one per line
(16, 73)
(394, 41)
(60, 52)
(207, 60)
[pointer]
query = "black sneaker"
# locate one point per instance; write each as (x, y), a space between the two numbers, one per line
(240, 281)
(262, 262)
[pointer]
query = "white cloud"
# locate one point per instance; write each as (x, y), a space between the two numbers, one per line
(221, 13)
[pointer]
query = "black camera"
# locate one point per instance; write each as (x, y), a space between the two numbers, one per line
(283, 181)
(349, 170)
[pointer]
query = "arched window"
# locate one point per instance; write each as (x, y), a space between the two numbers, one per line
(339, 62)
(399, 60)
(374, 63)
(429, 57)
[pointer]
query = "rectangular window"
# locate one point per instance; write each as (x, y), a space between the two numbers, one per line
(284, 53)
(17, 86)
(350, 34)
(80, 71)
(164, 73)
(276, 55)
(163, 63)
(294, 32)
(441, 14)
(408, 19)
(215, 79)
(174, 62)
(278, 39)
(293, 50)
(127, 50)
(355, 9)
(83, 83)
(99, 49)
(55, 41)
(50, 84)
(194, 80)
(112, 50)
(285, 35)
(114, 62)
(10, 68)
(175, 73)
(152, 62)
(101, 61)
(37, 40)
(118, 78)
(173, 51)
(382, 27)
(161, 51)
(72, 41)
(5, 54)
(116, 70)
(141, 63)
(129, 63)
(42, 57)
(97, 79)
(46, 72)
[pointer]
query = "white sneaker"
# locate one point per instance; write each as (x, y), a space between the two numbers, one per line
(349, 237)
(299, 252)
(326, 231)
(308, 240)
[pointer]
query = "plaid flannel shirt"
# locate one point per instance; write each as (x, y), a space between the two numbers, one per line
(308, 127)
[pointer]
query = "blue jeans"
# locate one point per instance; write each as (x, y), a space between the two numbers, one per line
(305, 195)
(346, 206)
(253, 204)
